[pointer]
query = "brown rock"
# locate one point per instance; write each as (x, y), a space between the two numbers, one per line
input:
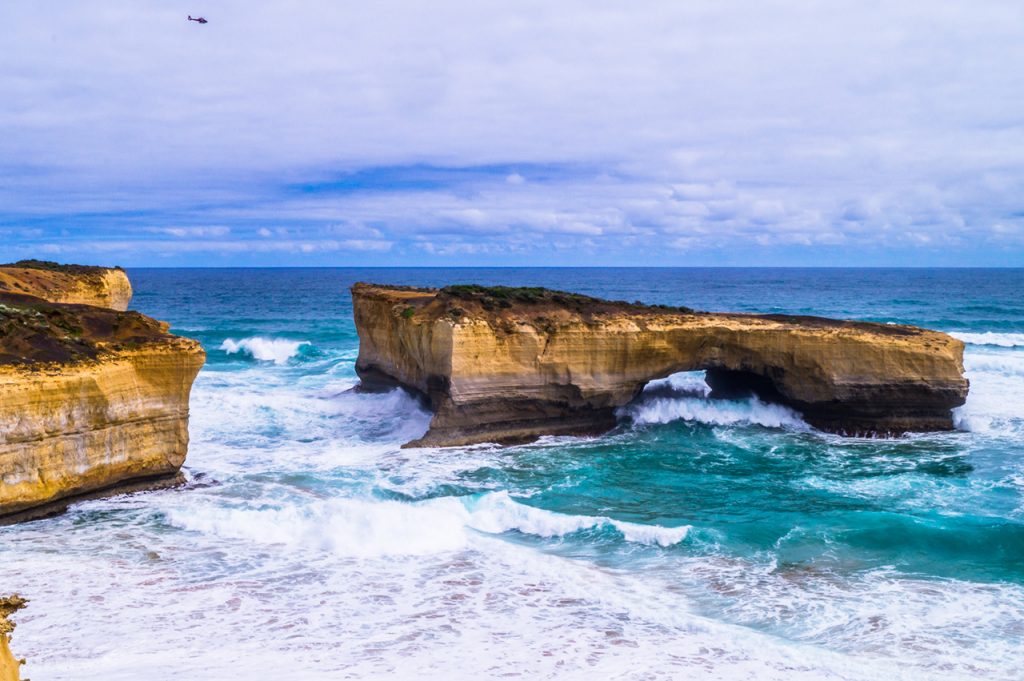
(91, 400)
(76, 284)
(509, 365)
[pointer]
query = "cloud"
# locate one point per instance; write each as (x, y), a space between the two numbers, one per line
(377, 245)
(165, 248)
(194, 232)
(548, 132)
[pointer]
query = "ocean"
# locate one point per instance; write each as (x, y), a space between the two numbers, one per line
(700, 539)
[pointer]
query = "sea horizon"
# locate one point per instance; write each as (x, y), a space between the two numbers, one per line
(570, 267)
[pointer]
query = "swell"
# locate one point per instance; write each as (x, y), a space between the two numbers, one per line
(993, 338)
(376, 528)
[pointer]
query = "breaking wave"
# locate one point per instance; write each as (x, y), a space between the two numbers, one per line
(348, 527)
(1005, 363)
(751, 411)
(995, 401)
(1002, 340)
(684, 397)
(276, 350)
(497, 512)
(374, 528)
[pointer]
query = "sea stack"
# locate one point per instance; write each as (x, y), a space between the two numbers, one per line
(511, 364)
(93, 399)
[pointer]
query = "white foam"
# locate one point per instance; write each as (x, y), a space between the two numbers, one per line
(497, 512)
(714, 412)
(375, 528)
(491, 608)
(995, 401)
(1003, 340)
(651, 534)
(276, 350)
(1005, 363)
(259, 418)
(344, 527)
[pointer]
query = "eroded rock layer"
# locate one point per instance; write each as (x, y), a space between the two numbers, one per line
(91, 399)
(508, 365)
(75, 284)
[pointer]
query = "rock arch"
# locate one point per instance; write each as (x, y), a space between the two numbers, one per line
(509, 365)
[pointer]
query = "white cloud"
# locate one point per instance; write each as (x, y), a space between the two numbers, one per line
(239, 246)
(377, 245)
(194, 232)
(700, 125)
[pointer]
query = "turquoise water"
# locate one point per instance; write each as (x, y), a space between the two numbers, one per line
(700, 538)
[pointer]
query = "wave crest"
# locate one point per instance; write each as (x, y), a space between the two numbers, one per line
(372, 528)
(714, 412)
(348, 527)
(276, 350)
(497, 512)
(1002, 340)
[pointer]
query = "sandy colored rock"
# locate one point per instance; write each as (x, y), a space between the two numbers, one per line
(91, 399)
(75, 284)
(508, 365)
(10, 667)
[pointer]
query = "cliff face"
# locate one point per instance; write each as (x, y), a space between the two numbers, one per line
(9, 666)
(91, 399)
(75, 284)
(509, 365)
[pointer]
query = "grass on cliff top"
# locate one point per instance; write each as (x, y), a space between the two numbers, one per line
(495, 297)
(50, 266)
(35, 331)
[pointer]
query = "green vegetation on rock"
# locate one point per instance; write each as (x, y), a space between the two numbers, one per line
(503, 297)
(50, 266)
(33, 330)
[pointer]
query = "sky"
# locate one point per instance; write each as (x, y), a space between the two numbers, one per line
(573, 132)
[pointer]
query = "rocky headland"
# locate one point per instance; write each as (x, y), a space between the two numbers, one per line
(92, 399)
(76, 284)
(510, 364)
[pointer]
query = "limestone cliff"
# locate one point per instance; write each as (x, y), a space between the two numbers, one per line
(91, 399)
(77, 284)
(9, 666)
(507, 365)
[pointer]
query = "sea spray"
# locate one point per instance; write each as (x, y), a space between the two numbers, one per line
(276, 350)
(684, 396)
(751, 411)
(1002, 340)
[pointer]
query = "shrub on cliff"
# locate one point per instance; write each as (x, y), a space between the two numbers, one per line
(503, 297)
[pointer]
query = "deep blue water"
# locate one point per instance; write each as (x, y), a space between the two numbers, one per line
(726, 537)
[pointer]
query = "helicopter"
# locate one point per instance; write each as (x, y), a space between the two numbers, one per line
(198, 20)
